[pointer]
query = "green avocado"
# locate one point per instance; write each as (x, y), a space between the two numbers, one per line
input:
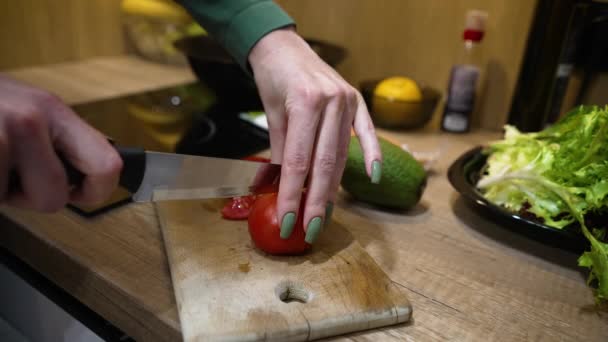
(403, 177)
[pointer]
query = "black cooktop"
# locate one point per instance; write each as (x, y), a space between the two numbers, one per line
(186, 119)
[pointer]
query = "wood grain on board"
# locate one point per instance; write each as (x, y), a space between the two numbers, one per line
(230, 291)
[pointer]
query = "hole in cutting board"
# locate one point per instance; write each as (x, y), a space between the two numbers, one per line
(289, 291)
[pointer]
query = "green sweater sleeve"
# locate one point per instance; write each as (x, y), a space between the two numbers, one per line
(237, 24)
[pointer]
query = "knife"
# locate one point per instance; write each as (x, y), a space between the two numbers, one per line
(156, 176)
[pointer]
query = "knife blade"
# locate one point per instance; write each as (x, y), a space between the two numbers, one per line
(169, 176)
(157, 176)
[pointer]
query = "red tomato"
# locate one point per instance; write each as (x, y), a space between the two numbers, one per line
(265, 230)
(238, 208)
(258, 159)
(267, 189)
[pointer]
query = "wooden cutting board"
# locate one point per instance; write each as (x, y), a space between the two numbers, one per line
(228, 290)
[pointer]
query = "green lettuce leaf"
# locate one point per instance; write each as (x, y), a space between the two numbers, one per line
(559, 174)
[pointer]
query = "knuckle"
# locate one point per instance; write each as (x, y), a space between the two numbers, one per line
(310, 96)
(57, 178)
(315, 206)
(47, 101)
(112, 165)
(327, 163)
(49, 206)
(296, 163)
(26, 122)
(333, 92)
(51, 202)
(275, 131)
(3, 144)
(108, 166)
(341, 155)
(351, 96)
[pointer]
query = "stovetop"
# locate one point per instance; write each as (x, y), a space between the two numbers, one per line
(186, 119)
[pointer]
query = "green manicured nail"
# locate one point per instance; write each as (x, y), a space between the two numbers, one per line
(376, 171)
(313, 230)
(329, 209)
(289, 221)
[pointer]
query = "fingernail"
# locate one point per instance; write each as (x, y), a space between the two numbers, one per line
(329, 209)
(313, 229)
(376, 171)
(289, 221)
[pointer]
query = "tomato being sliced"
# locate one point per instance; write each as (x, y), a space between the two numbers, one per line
(265, 230)
(258, 159)
(238, 208)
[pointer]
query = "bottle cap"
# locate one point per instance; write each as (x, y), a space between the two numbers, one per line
(475, 24)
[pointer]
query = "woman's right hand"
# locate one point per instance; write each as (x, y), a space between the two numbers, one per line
(34, 127)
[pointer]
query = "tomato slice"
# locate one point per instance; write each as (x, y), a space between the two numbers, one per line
(238, 208)
(258, 159)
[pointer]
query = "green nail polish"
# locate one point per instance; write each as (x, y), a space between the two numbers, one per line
(376, 171)
(289, 221)
(313, 230)
(329, 209)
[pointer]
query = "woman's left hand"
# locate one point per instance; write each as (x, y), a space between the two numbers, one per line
(311, 110)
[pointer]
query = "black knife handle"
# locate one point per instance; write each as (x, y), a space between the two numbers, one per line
(133, 168)
(131, 176)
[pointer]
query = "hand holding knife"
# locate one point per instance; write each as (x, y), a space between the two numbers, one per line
(157, 176)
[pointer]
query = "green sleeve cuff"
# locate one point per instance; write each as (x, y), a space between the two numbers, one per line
(250, 25)
(238, 24)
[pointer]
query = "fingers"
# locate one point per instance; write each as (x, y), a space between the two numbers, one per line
(39, 126)
(364, 129)
(340, 164)
(43, 182)
(327, 158)
(342, 155)
(90, 152)
(323, 168)
(344, 132)
(302, 120)
(277, 128)
(4, 161)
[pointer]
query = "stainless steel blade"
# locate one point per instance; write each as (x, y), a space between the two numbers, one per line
(173, 176)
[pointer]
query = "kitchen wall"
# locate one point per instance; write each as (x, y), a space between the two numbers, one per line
(51, 31)
(421, 39)
(415, 38)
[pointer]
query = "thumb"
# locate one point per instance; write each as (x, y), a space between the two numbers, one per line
(89, 152)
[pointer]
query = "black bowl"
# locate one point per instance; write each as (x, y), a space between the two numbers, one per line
(464, 173)
(212, 65)
(417, 114)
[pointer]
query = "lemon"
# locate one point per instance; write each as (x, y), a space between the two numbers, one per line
(397, 102)
(398, 88)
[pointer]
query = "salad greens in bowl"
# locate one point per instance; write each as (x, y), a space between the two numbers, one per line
(558, 177)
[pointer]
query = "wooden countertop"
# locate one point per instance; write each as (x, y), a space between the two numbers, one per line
(467, 278)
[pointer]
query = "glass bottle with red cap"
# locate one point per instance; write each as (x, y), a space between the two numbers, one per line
(464, 77)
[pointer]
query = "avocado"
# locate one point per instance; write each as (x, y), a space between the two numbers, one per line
(403, 177)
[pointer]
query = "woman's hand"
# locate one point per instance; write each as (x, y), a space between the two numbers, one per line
(311, 111)
(34, 127)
